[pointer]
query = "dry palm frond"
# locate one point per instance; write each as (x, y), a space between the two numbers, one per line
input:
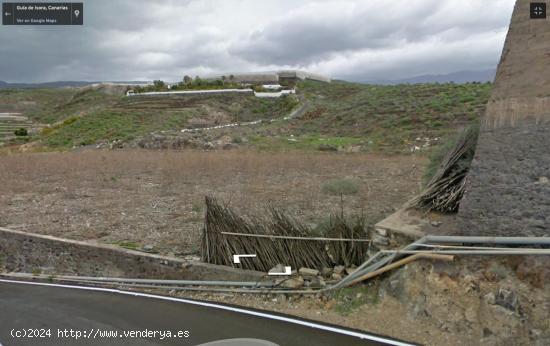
(446, 188)
(219, 248)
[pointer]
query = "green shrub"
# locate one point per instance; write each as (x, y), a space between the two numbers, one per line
(341, 187)
(47, 130)
(21, 132)
(70, 120)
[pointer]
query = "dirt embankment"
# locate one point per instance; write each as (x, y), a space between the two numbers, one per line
(471, 301)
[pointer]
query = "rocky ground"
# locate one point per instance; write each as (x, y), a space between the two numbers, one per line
(471, 301)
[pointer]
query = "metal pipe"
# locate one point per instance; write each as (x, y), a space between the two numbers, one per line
(433, 246)
(400, 263)
(523, 252)
(295, 238)
(489, 240)
(363, 269)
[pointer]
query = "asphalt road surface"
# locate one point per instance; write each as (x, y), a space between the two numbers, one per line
(64, 315)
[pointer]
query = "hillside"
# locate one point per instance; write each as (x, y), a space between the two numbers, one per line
(369, 117)
(381, 118)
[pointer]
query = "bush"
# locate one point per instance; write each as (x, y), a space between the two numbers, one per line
(21, 132)
(341, 187)
(47, 130)
(70, 120)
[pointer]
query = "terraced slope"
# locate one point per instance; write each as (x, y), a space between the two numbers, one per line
(9, 123)
(376, 118)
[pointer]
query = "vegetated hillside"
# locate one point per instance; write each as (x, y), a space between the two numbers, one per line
(38, 104)
(127, 118)
(394, 118)
(49, 106)
(390, 115)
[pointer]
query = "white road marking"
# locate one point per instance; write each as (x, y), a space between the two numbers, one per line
(227, 308)
(237, 258)
(288, 271)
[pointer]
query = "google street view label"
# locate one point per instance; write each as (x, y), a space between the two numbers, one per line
(32, 13)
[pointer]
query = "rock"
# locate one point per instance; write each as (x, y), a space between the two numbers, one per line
(382, 232)
(148, 248)
(339, 269)
(317, 281)
(350, 270)
(507, 299)
(308, 272)
(471, 283)
(208, 146)
(379, 240)
(326, 272)
(295, 282)
(471, 315)
(279, 268)
(394, 284)
(336, 276)
(489, 298)
(436, 223)
(327, 147)
(535, 334)
(544, 181)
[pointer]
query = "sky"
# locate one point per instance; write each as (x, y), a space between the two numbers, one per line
(356, 40)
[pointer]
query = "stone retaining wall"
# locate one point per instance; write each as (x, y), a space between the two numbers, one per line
(33, 253)
(508, 189)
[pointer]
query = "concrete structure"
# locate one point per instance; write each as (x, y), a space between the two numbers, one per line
(272, 86)
(275, 77)
(301, 75)
(275, 94)
(192, 92)
(508, 189)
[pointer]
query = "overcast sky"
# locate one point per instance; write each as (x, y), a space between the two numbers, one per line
(347, 39)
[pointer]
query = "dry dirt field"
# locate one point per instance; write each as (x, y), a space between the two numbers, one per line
(149, 198)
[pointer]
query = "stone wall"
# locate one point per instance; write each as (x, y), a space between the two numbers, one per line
(32, 253)
(508, 189)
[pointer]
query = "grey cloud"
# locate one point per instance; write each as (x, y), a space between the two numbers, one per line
(352, 39)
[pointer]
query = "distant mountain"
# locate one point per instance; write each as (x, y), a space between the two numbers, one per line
(59, 84)
(459, 77)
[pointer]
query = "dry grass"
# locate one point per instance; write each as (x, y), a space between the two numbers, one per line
(157, 198)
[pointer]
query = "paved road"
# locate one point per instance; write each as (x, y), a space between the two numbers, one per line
(43, 308)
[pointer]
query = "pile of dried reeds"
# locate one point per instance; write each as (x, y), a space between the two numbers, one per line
(276, 240)
(446, 188)
(347, 253)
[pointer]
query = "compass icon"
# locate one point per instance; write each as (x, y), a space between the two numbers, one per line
(538, 10)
